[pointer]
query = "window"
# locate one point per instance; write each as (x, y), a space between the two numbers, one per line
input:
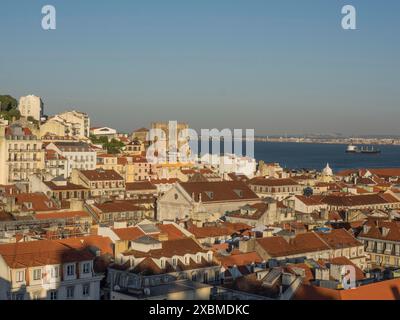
(86, 290)
(20, 276)
(71, 270)
(37, 274)
(55, 272)
(53, 295)
(174, 262)
(86, 267)
(36, 295)
(205, 277)
(70, 292)
(162, 262)
(18, 296)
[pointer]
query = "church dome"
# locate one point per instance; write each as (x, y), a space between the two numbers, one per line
(327, 171)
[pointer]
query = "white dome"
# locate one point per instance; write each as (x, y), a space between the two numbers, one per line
(327, 171)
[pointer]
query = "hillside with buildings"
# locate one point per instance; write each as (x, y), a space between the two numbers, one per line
(81, 220)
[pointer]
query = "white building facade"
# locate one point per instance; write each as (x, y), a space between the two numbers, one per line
(31, 106)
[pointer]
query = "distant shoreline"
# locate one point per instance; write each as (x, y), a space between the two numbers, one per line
(347, 141)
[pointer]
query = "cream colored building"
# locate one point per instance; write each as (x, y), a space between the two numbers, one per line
(203, 201)
(31, 106)
(70, 123)
(21, 154)
(48, 270)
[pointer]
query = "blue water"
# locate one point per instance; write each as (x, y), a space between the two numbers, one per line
(315, 156)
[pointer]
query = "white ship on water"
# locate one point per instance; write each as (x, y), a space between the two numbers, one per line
(354, 149)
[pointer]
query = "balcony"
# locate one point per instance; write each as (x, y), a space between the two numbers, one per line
(23, 150)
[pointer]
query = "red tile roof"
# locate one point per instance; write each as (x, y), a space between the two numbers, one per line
(118, 206)
(38, 201)
(306, 242)
(67, 187)
(171, 248)
(241, 259)
(219, 191)
(384, 290)
(101, 175)
(271, 182)
(43, 252)
(62, 215)
(134, 233)
(138, 186)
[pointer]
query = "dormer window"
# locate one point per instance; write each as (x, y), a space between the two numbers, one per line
(174, 262)
(239, 193)
(385, 231)
(210, 194)
(28, 205)
(366, 228)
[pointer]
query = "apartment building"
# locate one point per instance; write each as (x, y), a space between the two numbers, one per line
(55, 164)
(79, 155)
(278, 189)
(259, 214)
(140, 188)
(70, 123)
(51, 269)
(310, 245)
(154, 262)
(122, 235)
(382, 242)
(385, 200)
(20, 154)
(31, 106)
(58, 188)
(100, 182)
(135, 148)
(128, 211)
(135, 168)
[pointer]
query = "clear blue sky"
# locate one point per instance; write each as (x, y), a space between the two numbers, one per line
(276, 66)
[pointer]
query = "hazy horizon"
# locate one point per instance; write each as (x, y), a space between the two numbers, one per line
(280, 67)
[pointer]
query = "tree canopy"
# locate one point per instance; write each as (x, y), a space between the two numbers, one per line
(113, 146)
(7, 103)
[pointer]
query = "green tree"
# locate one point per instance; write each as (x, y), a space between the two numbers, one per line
(10, 115)
(7, 103)
(113, 147)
